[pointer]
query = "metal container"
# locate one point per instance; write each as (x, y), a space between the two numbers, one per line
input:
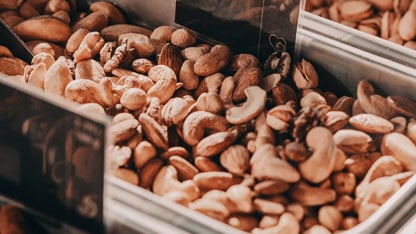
(346, 54)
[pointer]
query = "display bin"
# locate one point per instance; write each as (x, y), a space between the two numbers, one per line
(346, 55)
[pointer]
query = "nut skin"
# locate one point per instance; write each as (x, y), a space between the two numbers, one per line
(75, 40)
(208, 64)
(43, 28)
(171, 57)
(244, 78)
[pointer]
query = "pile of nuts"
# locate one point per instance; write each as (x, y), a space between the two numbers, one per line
(393, 20)
(260, 148)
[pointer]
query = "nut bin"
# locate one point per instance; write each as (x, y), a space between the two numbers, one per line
(266, 144)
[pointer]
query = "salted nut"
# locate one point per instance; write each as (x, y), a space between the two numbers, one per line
(203, 128)
(321, 164)
(256, 100)
(355, 10)
(305, 76)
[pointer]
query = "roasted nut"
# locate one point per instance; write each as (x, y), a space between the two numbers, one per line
(12, 66)
(123, 130)
(355, 10)
(235, 159)
(256, 100)
(182, 38)
(371, 123)
(165, 85)
(312, 196)
(83, 91)
(108, 9)
(305, 76)
(196, 123)
(154, 131)
(57, 77)
(215, 180)
(352, 141)
(133, 99)
(112, 32)
(265, 165)
(213, 62)
(401, 147)
(244, 78)
(126, 175)
(215, 143)
(142, 65)
(43, 28)
(90, 46)
(330, 217)
(320, 165)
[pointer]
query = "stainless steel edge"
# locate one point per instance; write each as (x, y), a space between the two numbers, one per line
(350, 65)
(173, 214)
(392, 214)
(358, 39)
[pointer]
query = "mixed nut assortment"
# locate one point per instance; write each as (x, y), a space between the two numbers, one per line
(393, 20)
(258, 147)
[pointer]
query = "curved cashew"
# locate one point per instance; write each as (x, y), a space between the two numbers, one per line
(198, 122)
(165, 85)
(265, 165)
(108, 95)
(384, 166)
(256, 100)
(401, 147)
(320, 165)
(372, 103)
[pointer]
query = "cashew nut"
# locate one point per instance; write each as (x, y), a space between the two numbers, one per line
(254, 105)
(401, 147)
(198, 122)
(320, 165)
(265, 165)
